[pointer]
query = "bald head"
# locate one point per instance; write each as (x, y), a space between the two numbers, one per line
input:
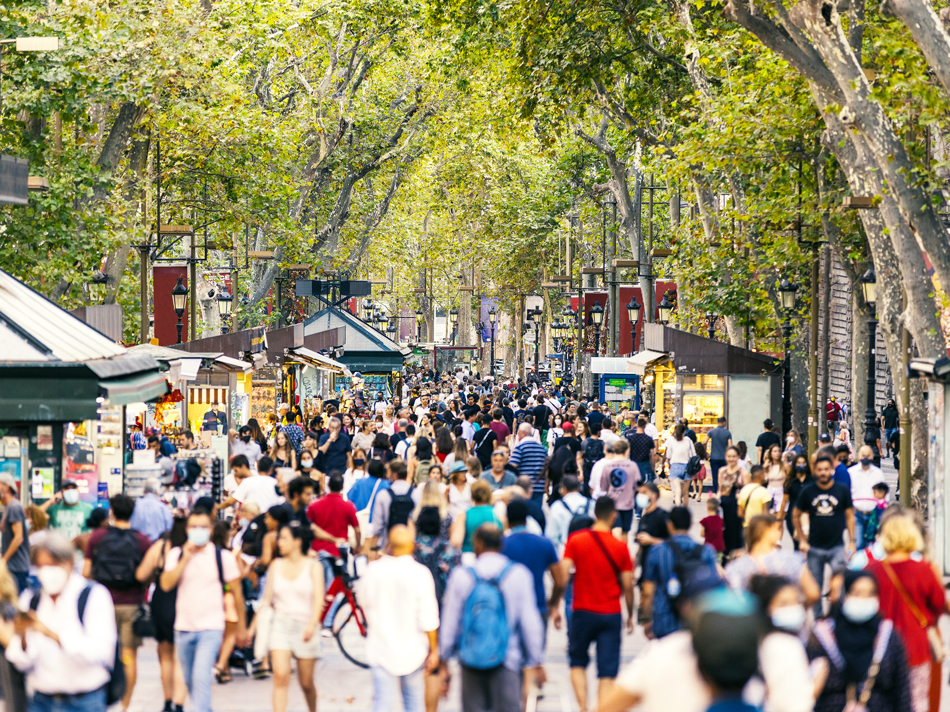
(401, 541)
(866, 452)
(525, 430)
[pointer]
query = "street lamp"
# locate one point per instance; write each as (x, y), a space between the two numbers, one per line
(665, 307)
(97, 286)
(453, 322)
(869, 288)
(419, 316)
(179, 294)
(711, 320)
(597, 316)
(225, 302)
(787, 292)
(534, 315)
(391, 331)
(493, 319)
(633, 313)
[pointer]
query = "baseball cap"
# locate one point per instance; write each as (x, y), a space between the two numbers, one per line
(457, 467)
(7, 479)
(568, 427)
(70, 484)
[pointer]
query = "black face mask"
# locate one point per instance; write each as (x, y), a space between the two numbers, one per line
(246, 438)
(800, 468)
(359, 462)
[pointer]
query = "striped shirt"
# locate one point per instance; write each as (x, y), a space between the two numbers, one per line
(529, 457)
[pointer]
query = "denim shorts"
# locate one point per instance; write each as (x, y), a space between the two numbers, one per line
(603, 628)
(677, 470)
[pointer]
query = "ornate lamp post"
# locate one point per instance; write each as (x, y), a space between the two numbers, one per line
(534, 315)
(570, 325)
(787, 292)
(97, 286)
(453, 323)
(665, 307)
(633, 313)
(869, 288)
(225, 302)
(419, 317)
(179, 294)
(711, 320)
(597, 316)
(493, 319)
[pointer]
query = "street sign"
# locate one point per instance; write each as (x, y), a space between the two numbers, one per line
(529, 337)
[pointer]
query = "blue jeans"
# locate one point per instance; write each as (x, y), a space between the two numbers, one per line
(569, 600)
(22, 581)
(860, 522)
(646, 471)
(94, 701)
(816, 560)
(198, 653)
(384, 690)
(715, 466)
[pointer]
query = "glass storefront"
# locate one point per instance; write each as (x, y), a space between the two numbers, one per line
(703, 401)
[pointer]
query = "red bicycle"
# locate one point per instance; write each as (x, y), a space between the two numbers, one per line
(342, 615)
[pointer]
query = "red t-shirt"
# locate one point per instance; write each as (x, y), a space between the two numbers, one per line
(596, 588)
(500, 428)
(333, 514)
(712, 526)
(126, 596)
(924, 589)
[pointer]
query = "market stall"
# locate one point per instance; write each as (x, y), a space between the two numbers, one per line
(616, 387)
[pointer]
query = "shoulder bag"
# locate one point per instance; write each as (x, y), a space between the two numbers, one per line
(937, 651)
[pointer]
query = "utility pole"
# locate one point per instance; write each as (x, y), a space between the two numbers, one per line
(813, 355)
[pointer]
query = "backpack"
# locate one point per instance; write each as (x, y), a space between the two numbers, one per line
(483, 642)
(580, 519)
(116, 558)
(115, 688)
(421, 475)
(563, 462)
(400, 508)
(593, 452)
(694, 466)
(688, 565)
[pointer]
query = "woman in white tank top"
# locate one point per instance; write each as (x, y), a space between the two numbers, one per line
(294, 598)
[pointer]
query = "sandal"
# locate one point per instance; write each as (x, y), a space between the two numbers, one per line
(261, 672)
(222, 676)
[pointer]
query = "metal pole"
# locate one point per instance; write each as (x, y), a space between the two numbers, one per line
(907, 426)
(537, 336)
(813, 355)
(871, 412)
(193, 288)
(787, 378)
(143, 294)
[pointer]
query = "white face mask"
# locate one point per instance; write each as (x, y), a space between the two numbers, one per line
(860, 610)
(199, 536)
(306, 463)
(244, 522)
(52, 578)
(71, 496)
(790, 618)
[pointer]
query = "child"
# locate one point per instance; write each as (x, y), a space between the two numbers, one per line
(711, 526)
(696, 485)
(880, 491)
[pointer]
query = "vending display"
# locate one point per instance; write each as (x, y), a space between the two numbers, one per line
(620, 392)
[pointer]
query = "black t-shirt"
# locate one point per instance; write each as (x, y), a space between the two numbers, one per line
(542, 415)
(509, 416)
(826, 513)
(396, 438)
(640, 445)
(572, 443)
(484, 441)
(767, 440)
(518, 417)
(891, 418)
(654, 524)
(871, 436)
(794, 491)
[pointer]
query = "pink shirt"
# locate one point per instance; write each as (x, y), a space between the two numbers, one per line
(200, 602)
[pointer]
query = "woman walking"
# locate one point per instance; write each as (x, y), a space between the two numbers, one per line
(913, 598)
(294, 591)
(283, 453)
(481, 512)
(862, 657)
(679, 450)
(731, 479)
(798, 476)
(775, 473)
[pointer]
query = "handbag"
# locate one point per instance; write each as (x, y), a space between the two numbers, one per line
(363, 516)
(937, 651)
(144, 625)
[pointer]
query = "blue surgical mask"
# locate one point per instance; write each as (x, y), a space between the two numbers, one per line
(860, 610)
(643, 501)
(71, 496)
(199, 536)
(789, 618)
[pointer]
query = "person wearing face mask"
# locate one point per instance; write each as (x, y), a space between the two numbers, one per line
(355, 473)
(67, 513)
(862, 657)
(913, 598)
(242, 443)
(307, 467)
(864, 475)
(201, 572)
(65, 641)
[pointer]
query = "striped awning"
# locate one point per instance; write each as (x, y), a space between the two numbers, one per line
(206, 395)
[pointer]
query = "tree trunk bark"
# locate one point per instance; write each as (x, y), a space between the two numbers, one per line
(859, 364)
(825, 353)
(799, 368)
(920, 491)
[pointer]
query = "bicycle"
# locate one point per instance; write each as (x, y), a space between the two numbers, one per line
(342, 614)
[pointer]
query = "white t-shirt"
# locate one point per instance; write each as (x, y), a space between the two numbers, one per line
(651, 430)
(251, 450)
(402, 447)
(609, 437)
(782, 661)
(862, 482)
(678, 452)
(397, 595)
(468, 430)
(260, 489)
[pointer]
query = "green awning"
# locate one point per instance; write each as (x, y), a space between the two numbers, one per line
(140, 388)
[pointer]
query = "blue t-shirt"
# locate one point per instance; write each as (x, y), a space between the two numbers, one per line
(842, 476)
(535, 552)
(361, 493)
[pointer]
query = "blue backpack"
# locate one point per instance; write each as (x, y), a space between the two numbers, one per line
(484, 641)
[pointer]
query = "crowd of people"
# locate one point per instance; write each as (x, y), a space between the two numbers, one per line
(487, 515)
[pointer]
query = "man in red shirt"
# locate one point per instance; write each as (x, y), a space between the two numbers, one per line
(498, 425)
(834, 415)
(602, 571)
(334, 515)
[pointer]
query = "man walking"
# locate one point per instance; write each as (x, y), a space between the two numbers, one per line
(717, 441)
(891, 419)
(200, 571)
(397, 594)
(642, 449)
(529, 457)
(619, 481)
(16, 546)
(112, 557)
(864, 476)
(152, 516)
(602, 572)
(504, 639)
(830, 511)
(765, 441)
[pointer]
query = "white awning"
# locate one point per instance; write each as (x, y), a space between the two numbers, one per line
(638, 362)
(189, 368)
(608, 365)
(233, 364)
(312, 358)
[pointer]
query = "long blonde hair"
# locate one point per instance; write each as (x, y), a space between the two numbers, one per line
(432, 497)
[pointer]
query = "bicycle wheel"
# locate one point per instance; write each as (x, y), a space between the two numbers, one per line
(349, 629)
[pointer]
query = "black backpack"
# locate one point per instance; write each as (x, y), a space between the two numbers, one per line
(116, 558)
(580, 519)
(563, 462)
(115, 688)
(593, 452)
(694, 465)
(400, 508)
(687, 566)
